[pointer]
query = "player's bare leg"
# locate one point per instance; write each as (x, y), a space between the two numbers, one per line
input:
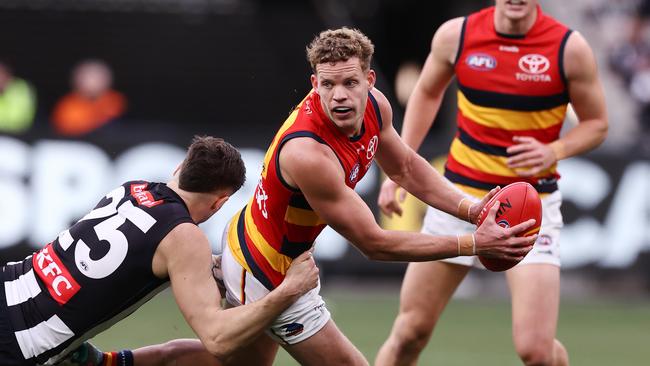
(327, 347)
(426, 290)
(535, 290)
(177, 352)
(259, 353)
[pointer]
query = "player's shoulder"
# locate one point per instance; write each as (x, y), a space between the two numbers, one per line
(577, 45)
(385, 109)
(447, 39)
(307, 161)
(449, 31)
(187, 229)
(304, 151)
(184, 232)
(578, 56)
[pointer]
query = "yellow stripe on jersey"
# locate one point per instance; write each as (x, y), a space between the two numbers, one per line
(507, 119)
(480, 193)
(285, 126)
(233, 242)
(474, 192)
(278, 261)
(490, 164)
(302, 217)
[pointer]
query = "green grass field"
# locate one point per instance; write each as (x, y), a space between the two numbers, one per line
(607, 333)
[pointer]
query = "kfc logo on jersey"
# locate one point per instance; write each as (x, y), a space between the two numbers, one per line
(373, 144)
(144, 197)
(481, 62)
(58, 280)
(533, 66)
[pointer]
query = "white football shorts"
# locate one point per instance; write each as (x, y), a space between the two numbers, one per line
(300, 321)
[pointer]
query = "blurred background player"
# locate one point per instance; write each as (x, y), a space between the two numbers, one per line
(138, 240)
(517, 69)
(91, 104)
(17, 102)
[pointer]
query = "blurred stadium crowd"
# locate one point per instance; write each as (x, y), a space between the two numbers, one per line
(92, 35)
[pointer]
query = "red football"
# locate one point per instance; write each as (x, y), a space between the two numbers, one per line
(518, 202)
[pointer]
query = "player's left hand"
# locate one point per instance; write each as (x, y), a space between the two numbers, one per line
(529, 156)
(217, 273)
(476, 207)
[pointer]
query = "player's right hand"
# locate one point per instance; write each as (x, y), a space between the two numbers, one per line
(302, 275)
(391, 197)
(494, 241)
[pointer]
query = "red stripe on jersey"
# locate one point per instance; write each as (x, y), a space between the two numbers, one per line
(483, 177)
(502, 137)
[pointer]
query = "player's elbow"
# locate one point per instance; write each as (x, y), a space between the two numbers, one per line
(405, 167)
(220, 347)
(375, 248)
(602, 130)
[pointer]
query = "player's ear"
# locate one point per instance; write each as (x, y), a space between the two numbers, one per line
(314, 81)
(372, 78)
(219, 202)
(178, 169)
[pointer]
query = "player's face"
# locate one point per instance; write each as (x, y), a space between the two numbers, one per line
(343, 88)
(516, 9)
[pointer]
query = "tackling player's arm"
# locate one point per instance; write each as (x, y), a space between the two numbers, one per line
(320, 178)
(588, 100)
(185, 255)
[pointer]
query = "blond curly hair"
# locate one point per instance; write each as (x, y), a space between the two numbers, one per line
(334, 45)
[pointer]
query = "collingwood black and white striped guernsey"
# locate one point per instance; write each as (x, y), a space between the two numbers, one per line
(91, 276)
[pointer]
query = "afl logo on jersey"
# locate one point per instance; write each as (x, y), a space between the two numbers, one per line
(481, 62)
(354, 173)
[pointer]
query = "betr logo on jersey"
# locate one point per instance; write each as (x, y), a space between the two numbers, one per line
(55, 275)
(534, 66)
(481, 62)
(144, 197)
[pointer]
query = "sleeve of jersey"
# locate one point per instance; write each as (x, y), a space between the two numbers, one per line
(170, 216)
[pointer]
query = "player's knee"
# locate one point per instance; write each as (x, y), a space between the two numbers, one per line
(412, 333)
(535, 353)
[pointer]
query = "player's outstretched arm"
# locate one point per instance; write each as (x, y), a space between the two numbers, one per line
(185, 255)
(320, 178)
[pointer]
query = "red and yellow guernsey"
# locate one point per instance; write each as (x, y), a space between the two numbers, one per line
(277, 224)
(507, 86)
